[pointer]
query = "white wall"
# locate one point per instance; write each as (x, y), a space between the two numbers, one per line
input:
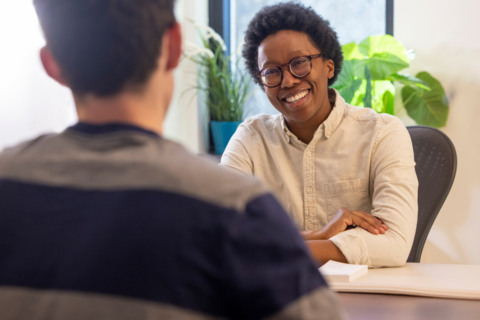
(31, 103)
(187, 121)
(445, 37)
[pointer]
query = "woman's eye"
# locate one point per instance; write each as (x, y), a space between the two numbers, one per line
(269, 72)
(300, 62)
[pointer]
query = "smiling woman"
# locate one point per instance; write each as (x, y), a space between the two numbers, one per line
(345, 174)
(303, 100)
(351, 20)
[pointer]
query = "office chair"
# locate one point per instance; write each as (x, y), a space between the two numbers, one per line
(436, 166)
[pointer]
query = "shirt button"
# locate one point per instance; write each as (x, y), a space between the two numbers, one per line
(309, 154)
(309, 190)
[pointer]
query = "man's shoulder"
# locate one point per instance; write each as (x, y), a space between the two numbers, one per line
(203, 178)
(126, 161)
(10, 154)
(10, 150)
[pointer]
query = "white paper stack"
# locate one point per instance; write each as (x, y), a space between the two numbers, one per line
(342, 272)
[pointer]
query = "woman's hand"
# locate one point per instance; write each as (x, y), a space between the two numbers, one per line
(343, 219)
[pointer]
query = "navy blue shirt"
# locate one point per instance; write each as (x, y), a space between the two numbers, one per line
(117, 217)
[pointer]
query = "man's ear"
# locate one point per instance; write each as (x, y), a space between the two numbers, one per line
(51, 66)
(174, 46)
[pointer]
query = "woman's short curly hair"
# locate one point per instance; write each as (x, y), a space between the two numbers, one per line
(291, 16)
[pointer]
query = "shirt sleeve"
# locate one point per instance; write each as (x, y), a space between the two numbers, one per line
(238, 155)
(394, 201)
(273, 274)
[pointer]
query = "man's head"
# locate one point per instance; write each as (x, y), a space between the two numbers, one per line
(103, 48)
(117, 56)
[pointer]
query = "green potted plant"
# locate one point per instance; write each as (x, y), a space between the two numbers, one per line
(224, 84)
(370, 70)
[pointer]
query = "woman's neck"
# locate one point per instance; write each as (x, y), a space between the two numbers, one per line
(305, 131)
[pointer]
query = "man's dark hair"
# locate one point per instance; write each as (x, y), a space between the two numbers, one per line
(296, 17)
(105, 46)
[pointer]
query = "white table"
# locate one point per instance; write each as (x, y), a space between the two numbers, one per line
(419, 279)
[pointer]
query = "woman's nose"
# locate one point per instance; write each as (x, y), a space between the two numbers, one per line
(289, 80)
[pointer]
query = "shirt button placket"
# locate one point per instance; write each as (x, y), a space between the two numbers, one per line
(309, 183)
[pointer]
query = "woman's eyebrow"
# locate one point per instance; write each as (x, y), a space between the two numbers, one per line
(300, 53)
(266, 63)
(293, 54)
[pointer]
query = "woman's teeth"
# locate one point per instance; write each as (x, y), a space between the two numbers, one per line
(297, 97)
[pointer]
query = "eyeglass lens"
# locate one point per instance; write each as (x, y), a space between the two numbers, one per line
(300, 67)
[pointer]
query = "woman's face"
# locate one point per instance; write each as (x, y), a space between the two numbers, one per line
(282, 47)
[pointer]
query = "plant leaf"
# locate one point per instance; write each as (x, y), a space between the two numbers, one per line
(383, 43)
(384, 64)
(386, 56)
(367, 99)
(378, 92)
(389, 102)
(348, 91)
(347, 83)
(359, 95)
(225, 88)
(429, 108)
(408, 80)
(352, 51)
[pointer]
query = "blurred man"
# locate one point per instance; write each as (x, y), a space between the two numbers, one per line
(108, 220)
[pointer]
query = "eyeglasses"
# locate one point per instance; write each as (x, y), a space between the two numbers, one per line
(299, 67)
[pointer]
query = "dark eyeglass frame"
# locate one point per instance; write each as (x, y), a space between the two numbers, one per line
(280, 67)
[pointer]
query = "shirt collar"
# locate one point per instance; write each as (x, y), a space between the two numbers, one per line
(335, 118)
(286, 132)
(329, 126)
(94, 129)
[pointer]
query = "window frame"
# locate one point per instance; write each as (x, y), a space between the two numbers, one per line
(219, 18)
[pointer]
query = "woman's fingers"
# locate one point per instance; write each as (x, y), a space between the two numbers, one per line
(369, 222)
(384, 226)
(378, 221)
(367, 225)
(362, 219)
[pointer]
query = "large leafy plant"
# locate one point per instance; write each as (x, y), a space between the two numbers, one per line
(225, 85)
(369, 72)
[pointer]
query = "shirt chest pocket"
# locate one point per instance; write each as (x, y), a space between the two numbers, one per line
(350, 194)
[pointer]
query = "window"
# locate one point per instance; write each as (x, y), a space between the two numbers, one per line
(353, 20)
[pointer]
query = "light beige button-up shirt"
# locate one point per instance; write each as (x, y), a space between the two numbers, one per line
(358, 159)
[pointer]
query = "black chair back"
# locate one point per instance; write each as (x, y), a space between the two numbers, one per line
(436, 166)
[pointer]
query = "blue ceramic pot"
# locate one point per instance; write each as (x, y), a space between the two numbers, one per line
(222, 131)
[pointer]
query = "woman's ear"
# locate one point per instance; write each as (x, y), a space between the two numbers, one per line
(51, 66)
(331, 68)
(174, 46)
